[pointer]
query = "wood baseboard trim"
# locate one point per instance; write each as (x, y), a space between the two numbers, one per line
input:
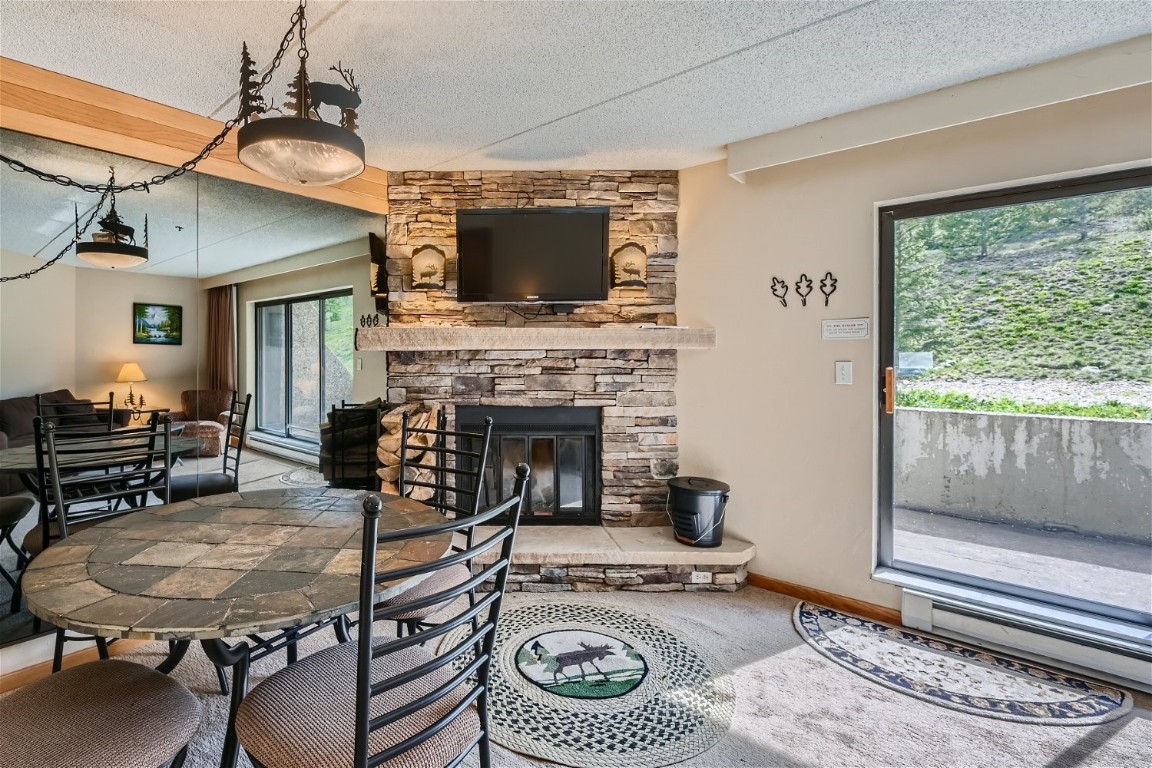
(21, 677)
(829, 599)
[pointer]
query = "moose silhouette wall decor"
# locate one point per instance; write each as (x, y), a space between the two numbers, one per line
(630, 266)
(428, 267)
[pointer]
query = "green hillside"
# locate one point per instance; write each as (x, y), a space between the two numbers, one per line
(1050, 294)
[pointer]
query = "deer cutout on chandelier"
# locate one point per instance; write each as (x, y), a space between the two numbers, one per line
(336, 95)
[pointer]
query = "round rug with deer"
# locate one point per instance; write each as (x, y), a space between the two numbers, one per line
(590, 684)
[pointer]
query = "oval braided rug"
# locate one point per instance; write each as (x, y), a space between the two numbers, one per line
(588, 685)
(956, 676)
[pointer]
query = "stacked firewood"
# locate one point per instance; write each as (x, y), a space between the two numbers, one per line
(388, 451)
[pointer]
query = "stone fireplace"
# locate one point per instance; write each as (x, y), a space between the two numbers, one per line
(627, 381)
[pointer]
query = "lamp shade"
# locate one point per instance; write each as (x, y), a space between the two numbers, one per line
(131, 372)
(298, 150)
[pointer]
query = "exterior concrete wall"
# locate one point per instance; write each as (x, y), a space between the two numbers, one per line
(1090, 476)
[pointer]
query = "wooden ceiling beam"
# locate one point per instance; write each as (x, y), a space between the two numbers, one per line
(55, 106)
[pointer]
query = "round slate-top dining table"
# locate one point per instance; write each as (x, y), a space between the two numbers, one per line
(222, 566)
(232, 565)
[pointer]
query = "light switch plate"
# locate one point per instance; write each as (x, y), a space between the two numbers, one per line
(843, 371)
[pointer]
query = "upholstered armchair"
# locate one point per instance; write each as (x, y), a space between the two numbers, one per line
(204, 414)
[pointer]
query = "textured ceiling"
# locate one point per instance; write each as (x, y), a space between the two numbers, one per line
(509, 85)
(473, 85)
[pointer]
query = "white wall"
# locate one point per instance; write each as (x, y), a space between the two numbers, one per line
(37, 327)
(104, 301)
(72, 327)
(760, 411)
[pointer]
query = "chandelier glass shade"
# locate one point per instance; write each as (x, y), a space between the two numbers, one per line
(112, 255)
(299, 150)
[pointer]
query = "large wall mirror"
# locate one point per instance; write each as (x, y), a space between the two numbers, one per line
(75, 326)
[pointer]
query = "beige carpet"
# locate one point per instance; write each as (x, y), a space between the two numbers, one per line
(794, 707)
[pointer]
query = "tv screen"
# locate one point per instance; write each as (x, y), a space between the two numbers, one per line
(532, 254)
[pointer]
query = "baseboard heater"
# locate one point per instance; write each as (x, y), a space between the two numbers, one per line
(1125, 661)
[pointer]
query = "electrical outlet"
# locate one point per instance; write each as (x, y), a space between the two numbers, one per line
(359, 363)
(701, 577)
(843, 372)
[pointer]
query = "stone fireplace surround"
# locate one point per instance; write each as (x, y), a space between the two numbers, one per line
(633, 383)
(634, 387)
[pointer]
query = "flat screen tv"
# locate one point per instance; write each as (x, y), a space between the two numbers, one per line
(532, 254)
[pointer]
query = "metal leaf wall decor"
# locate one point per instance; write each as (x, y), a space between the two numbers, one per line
(804, 288)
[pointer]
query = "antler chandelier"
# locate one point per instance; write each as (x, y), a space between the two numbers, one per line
(291, 144)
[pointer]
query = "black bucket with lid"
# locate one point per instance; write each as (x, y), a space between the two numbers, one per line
(696, 506)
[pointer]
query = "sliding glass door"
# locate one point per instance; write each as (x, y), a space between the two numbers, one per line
(304, 363)
(1016, 365)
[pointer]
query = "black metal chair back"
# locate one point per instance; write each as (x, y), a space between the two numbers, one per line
(88, 414)
(455, 460)
(234, 433)
(465, 665)
(186, 487)
(124, 468)
(348, 446)
(91, 477)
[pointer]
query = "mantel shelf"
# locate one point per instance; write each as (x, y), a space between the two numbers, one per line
(402, 338)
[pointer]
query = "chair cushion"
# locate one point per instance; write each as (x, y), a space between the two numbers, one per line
(106, 714)
(438, 581)
(34, 540)
(186, 487)
(304, 715)
(13, 509)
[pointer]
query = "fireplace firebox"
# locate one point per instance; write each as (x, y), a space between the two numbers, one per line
(560, 444)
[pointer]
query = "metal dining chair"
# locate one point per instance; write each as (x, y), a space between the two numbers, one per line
(87, 459)
(13, 510)
(451, 464)
(372, 702)
(133, 466)
(227, 480)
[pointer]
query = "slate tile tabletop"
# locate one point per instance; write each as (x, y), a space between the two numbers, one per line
(222, 566)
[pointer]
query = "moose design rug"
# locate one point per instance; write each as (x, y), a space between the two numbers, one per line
(588, 684)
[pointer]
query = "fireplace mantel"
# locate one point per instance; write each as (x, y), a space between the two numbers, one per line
(423, 338)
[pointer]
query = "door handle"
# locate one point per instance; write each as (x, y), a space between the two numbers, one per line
(889, 390)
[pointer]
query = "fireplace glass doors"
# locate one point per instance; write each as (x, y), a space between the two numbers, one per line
(561, 445)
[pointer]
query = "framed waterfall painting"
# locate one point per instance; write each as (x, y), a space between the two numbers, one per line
(157, 324)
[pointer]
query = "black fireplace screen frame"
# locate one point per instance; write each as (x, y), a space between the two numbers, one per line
(540, 424)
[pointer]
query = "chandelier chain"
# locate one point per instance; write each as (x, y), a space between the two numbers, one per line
(111, 188)
(79, 233)
(303, 52)
(143, 186)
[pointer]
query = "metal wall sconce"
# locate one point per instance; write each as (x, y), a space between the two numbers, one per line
(630, 266)
(428, 267)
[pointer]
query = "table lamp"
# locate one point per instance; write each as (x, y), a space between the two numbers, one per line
(131, 373)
